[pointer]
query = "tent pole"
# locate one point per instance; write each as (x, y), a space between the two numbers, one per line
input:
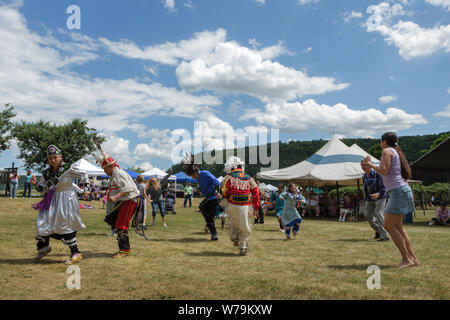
(448, 183)
(359, 200)
(309, 195)
(423, 200)
(337, 196)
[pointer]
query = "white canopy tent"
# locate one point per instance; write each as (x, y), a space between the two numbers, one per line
(361, 151)
(92, 170)
(158, 174)
(267, 187)
(334, 162)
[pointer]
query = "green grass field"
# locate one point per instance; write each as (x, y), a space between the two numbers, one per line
(327, 260)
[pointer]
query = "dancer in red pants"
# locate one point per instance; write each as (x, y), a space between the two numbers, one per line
(122, 194)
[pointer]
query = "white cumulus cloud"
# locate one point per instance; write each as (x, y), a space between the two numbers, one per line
(352, 15)
(411, 40)
(43, 87)
(303, 2)
(443, 113)
(440, 3)
(302, 116)
(208, 61)
(170, 5)
(388, 98)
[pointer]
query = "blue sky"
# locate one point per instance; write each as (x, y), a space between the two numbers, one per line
(140, 71)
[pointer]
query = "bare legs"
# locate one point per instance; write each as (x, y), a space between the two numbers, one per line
(393, 223)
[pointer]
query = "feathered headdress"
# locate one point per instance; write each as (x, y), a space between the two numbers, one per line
(104, 161)
(189, 165)
(233, 163)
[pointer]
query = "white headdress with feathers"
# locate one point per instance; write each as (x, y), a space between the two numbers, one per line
(232, 163)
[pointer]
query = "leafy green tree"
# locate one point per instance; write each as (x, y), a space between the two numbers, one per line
(5, 126)
(74, 139)
(442, 137)
(136, 169)
(375, 150)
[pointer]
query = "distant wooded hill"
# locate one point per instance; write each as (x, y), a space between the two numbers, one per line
(293, 152)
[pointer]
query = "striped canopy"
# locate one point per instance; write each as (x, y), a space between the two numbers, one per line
(335, 161)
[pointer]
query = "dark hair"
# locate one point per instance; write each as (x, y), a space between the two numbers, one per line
(290, 185)
(191, 167)
(392, 141)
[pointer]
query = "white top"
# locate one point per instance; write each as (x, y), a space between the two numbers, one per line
(121, 181)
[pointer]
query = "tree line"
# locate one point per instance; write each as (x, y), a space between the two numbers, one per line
(293, 152)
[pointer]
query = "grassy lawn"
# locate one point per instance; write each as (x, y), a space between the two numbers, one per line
(327, 260)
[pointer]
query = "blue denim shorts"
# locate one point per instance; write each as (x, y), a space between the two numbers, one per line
(400, 201)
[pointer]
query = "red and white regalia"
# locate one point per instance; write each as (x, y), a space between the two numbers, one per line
(240, 192)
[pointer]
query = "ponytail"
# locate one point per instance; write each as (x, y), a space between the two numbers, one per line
(406, 170)
(392, 141)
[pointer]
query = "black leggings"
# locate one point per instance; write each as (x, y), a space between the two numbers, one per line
(260, 219)
(208, 209)
(69, 239)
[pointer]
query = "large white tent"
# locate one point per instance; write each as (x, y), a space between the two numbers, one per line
(334, 162)
(361, 151)
(267, 187)
(92, 170)
(158, 174)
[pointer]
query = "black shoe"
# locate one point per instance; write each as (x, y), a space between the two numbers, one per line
(377, 236)
(214, 239)
(384, 239)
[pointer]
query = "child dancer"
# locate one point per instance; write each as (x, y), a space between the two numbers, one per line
(290, 217)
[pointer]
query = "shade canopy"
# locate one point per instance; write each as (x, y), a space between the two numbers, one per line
(267, 187)
(132, 174)
(183, 177)
(361, 151)
(434, 166)
(334, 162)
(158, 174)
(92, 170)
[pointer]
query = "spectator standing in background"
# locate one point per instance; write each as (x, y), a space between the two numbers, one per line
(27, 185)
(155, 191)
(188, 195)
(13, 184)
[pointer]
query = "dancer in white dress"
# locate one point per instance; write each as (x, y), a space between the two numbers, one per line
(59, 211)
